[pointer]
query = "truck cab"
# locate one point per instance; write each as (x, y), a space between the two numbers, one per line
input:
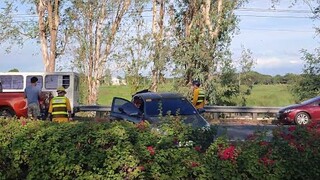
(13, 102)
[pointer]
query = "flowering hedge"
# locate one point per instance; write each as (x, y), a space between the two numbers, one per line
(122, 150)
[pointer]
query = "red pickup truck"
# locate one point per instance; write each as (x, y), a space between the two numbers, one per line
(14, 104)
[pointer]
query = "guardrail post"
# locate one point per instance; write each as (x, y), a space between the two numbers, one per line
(99, 114)
(215, 116)
(254, 116)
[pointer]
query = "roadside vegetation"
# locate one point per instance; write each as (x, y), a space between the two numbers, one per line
(122, 150)
(189, 40)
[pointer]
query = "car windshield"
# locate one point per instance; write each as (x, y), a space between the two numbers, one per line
(172, 106)
(310, 100)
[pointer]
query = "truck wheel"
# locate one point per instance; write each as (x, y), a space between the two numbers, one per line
(6, 112)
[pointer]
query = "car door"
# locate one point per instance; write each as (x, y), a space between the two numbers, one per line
(122, 109)
(314, 110)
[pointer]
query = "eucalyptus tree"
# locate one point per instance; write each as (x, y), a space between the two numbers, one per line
(45, 29)
(203, 31)
(158, 56)
(245, 65)
(94, 25)
(133, 46)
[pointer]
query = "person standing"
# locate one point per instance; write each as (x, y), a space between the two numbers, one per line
(198, 99)
(59, 107)
(32, 93)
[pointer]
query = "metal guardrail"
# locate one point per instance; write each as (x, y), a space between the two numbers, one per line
(241, 111)
(216, 110)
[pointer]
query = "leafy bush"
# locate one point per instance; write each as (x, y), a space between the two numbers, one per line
(122, 150)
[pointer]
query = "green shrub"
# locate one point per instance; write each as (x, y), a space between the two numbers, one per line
(122, 150)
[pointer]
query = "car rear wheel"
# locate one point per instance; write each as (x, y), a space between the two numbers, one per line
(6, 112)
(302, 118)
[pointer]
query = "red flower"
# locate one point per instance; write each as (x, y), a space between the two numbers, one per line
(266, 161)
(292, 128)
(264, 143)
(23, 123)
(194, 164)
(151, 150)
(197, 148)
(228, 153)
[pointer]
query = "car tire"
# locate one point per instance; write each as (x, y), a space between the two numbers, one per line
(6, 112)
(302, 118)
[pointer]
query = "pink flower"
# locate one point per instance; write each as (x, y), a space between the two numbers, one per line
(151, 150)
(264, 143)
(23, 123)
(228, 153)
(266, 161)
(194, 164)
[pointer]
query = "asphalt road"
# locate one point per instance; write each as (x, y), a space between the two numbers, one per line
(241, 132)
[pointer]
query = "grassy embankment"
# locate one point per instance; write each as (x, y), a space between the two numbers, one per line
(262, 95)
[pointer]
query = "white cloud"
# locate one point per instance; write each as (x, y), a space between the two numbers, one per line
(277, 61)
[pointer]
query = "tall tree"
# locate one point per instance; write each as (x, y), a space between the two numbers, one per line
(308, 85)
(94, 24)
(45, 30)
(245, 65)
(158, 12)
(49, 20)
(203, 32)
(133, 44)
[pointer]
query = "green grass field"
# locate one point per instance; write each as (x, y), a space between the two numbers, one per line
(262, 95)
(270, 95)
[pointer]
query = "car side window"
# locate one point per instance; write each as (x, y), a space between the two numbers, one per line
(317, 103)
(123, 106)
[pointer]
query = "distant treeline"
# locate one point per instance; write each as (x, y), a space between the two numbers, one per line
(246, 78)
(257, 78)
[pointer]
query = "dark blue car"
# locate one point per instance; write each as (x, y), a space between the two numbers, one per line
(154, 106)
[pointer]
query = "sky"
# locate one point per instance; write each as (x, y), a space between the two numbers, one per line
(275, 38)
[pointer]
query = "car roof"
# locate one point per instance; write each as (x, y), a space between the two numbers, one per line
(162, 95)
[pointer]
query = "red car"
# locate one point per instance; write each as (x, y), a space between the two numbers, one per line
(302, 113)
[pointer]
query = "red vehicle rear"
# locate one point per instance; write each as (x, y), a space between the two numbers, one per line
(302, 113)
(13, 104)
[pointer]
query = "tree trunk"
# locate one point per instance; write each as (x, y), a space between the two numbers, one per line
(48, 42)
(157, 31)
(41, 7)
(97, 56)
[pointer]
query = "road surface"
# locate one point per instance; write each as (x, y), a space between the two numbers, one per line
(241, 132)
